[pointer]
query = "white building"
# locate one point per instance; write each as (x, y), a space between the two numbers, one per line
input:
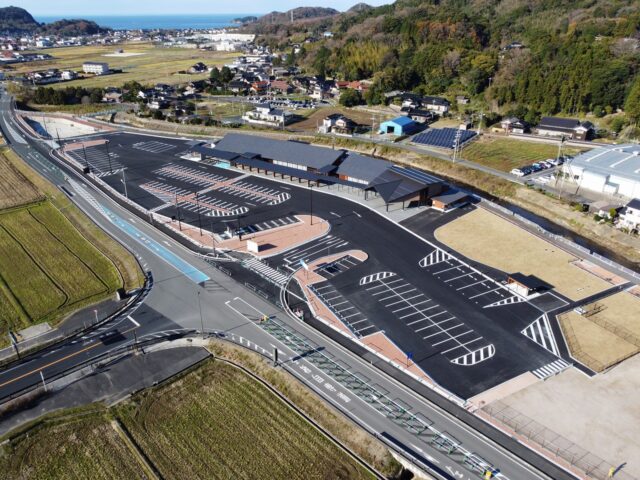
(97, 68)
(630, 217)
(263, 114)
(68, 75)
(613, 170)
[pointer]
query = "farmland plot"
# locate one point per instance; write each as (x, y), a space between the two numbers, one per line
(219, 423)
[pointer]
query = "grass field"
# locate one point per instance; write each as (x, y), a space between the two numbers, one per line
(213, 422)
(53, 259)
(154, 65)
(15, 188)
(219, 423)
(494, 241)
(506, 154)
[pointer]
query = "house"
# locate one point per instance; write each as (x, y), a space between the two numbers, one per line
(565, 127)
(398, 126)
(630, 216)
(438, 105)
(198, 68)
(68, 75)
(462, 100)
(421, 116)
(280, 86)
(263, 114)
(337, 124)
(239, 86)
(259, 87)
(514, 125)
(327, 34)
(95, 68)
(603, 208)
(112, 97)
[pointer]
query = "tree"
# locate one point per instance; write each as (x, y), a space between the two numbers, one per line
(350, 98)
(226, 75)
(215, 75)
(321, 61)
(158, 115)
(632, 105)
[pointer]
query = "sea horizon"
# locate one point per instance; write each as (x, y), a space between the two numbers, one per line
(151, 22)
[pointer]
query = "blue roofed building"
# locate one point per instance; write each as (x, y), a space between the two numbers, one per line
(398, 126)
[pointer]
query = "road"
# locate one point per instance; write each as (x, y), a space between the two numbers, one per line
(172, 305)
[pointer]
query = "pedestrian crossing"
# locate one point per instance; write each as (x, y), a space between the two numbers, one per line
(254, 193)
(551, 369)
(153, 146)
(540, 332)
(265, 271)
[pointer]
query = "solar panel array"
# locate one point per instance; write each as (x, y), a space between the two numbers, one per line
(443, 137)
(416, 175)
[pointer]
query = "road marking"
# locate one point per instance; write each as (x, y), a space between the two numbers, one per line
(55, 362)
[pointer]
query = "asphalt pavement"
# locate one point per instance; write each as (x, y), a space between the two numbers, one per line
(174, 304)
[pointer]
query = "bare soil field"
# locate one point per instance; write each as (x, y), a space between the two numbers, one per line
(600, 415)
(494, 241)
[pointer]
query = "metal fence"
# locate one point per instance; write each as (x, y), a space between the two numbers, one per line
(590, 464)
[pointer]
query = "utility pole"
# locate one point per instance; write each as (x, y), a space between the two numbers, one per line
(124, 182)
(85, 158)
(106, 144)
(178, 212)
(201, 318)
(311, 200)
(456, 144)
(213, 235)
(199, 217)
(44, 385)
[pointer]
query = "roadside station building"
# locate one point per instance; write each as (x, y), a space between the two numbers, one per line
(324, 166)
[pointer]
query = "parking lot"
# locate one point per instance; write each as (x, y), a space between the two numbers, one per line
(460, 325)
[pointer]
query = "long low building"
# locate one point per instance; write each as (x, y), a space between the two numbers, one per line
(322, 165)
(613, 170)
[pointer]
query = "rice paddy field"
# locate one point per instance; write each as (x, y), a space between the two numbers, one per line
(219, 423)
(53, 259)
(81, 449)
(151, 64)
(213, 422)
(506, 154)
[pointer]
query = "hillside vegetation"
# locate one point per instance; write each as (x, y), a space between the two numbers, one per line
(544, 56)
(15, 20)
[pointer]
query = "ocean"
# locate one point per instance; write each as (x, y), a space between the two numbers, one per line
(157, 21)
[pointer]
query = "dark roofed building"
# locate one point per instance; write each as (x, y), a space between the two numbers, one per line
(361, 169)
(281, 152)
(568, 127)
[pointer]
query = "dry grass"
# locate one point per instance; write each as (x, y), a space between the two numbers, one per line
(83, 449)
(310, 124)
(593, 345)
(156, 65)
(494, 241)
(217, 422)
(15, 188)
(505, 154)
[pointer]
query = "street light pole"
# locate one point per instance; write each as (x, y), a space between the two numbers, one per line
(178, 213)
(311, 201)
(85, 158)
(213, 235)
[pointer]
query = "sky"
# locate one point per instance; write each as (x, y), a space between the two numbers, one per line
(77, 8)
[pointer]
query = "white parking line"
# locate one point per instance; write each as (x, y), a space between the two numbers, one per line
(471, 285)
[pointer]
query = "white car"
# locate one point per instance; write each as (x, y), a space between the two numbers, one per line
(517, 172)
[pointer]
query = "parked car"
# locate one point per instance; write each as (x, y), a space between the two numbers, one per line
(517, 172)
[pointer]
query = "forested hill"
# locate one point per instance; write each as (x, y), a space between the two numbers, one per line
(15, 20)
(546, 55)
